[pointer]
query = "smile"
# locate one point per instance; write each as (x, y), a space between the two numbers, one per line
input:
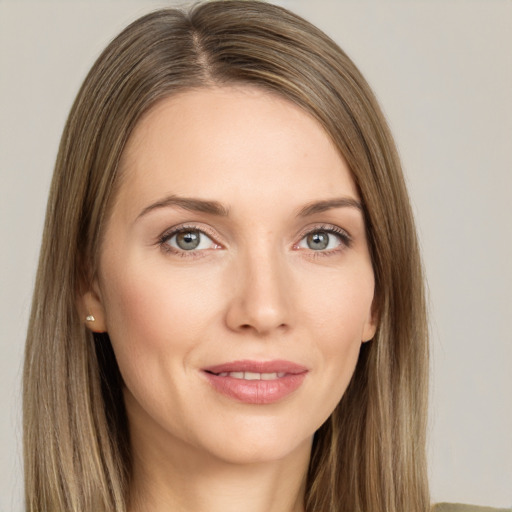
(254, 382)
(252, 375)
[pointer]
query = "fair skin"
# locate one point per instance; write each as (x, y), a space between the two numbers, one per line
(236, 235)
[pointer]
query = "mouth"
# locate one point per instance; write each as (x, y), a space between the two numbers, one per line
(278, 367)
(251, 375)
(256, 382)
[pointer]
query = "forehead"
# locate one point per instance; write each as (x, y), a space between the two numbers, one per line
(224, 143)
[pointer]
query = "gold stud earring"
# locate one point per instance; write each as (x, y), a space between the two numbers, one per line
(90, 318)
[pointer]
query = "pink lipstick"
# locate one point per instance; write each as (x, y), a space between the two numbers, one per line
(256, 382)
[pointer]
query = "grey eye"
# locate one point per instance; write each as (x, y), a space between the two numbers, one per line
(321, 240)
(318, 240)
(190, 239)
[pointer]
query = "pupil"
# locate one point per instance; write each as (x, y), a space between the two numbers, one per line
(187, 240)
(318, 241)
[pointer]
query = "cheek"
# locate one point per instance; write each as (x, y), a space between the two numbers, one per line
(338, 316)
(157, 318)
(340, 310)
(151, 310)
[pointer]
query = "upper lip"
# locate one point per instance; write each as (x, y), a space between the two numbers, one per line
(276, 366)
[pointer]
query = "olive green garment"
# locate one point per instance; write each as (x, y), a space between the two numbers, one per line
(457, 507)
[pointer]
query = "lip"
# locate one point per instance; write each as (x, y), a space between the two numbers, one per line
(256, 391)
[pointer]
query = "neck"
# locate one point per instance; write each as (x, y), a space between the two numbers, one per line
(185, 480)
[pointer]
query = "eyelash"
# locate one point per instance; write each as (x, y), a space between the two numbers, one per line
(343, 236)
(167, 235)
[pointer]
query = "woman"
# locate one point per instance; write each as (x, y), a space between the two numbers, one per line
(229, 308)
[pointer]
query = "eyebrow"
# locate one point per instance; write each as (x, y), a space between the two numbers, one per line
(187, 203)
(216, 208)
(329, 204)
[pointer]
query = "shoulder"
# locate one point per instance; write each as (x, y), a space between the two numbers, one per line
(457, 507)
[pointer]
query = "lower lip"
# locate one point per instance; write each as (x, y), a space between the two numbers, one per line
(257, 391)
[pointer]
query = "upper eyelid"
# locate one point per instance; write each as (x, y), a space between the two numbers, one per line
(170, 232)
(332, 228)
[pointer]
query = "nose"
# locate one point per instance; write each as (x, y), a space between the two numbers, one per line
(261, 302)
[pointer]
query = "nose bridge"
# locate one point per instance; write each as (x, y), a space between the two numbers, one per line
(262, 300)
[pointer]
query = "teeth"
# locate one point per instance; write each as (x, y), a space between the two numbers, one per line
(252, 375)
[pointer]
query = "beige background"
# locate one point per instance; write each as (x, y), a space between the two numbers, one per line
(443, 72)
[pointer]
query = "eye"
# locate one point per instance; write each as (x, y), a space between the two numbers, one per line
(325, 239)
(188, 239)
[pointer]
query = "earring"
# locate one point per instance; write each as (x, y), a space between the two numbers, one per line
(90, 318)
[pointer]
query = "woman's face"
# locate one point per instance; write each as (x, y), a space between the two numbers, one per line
(235, 280)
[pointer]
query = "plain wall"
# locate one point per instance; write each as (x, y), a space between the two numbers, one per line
(443, 73)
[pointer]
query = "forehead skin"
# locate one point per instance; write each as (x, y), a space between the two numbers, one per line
(216, 134)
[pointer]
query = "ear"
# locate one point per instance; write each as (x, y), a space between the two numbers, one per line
(371, 324)
(92, 312)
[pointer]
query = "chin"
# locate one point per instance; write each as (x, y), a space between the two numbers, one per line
(251, 452)
(256, 445)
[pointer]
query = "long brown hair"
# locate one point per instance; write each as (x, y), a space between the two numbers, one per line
(370, 455)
